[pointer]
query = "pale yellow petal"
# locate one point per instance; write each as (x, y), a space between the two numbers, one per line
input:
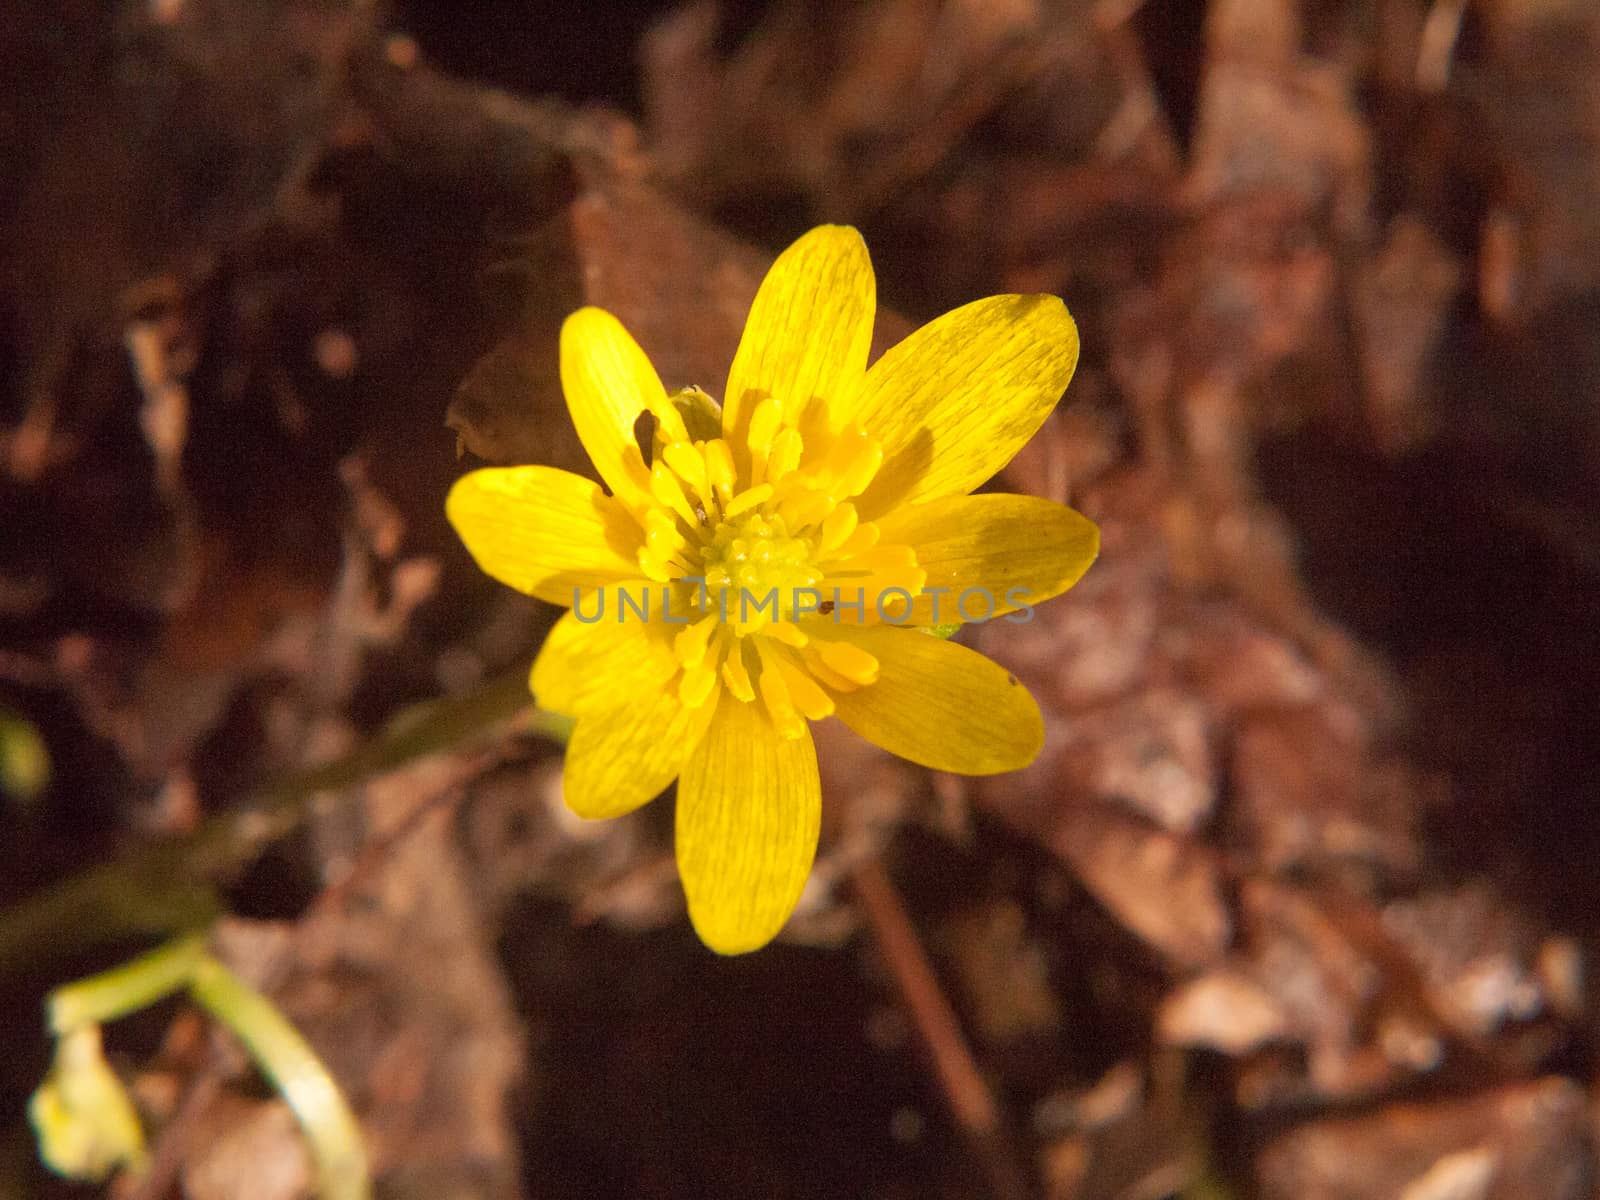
(808, 334)
(939, 704)
(991, 554)
(609, 382)
(602, 654)
(543, 531)
(749, 809)
(955, 401)
(627, 756)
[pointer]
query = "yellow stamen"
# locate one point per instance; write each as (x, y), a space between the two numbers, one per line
(785, 454)
(803, 508)
(775, 695)
(690, 644)
(746, 500)
(853, 460)
(697, 684)
(821, 672)
(852, 662)
(803, 690)
(860, 539)
(735, 675)
(789, 635)
(666, 487)
(689, 463)
(764, 424)
(836, 529)
(720, 470)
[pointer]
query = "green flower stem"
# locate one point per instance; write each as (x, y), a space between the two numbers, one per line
(126, 989)
(295, 1071)
(229, 842)
(85, 1122)
(169, 888)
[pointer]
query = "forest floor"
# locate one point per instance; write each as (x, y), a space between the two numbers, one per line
(1296, 903)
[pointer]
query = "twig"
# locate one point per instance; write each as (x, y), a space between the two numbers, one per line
(971, 1102)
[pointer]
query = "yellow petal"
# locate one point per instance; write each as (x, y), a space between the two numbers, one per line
(543, 531)
(807, 337)
(939, 704)
(609, 383)
(749, 808)
(601, 655)
(955, 401)
(991, 554)
(627, 756)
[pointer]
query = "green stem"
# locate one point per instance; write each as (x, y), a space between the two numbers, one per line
(169, 887)
(288, 1062)
(125, 989)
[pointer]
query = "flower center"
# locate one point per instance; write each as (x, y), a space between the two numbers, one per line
(754, 537)
(756, 571)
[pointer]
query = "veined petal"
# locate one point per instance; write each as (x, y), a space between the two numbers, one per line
(602, 655)
(808, 334)
(749, 809)
(622, 758)
(991, 554)
(544, 531)
(609, 382)
(939, 704)
(955, 401)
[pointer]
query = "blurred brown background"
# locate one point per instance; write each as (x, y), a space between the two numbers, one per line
(1295, 905)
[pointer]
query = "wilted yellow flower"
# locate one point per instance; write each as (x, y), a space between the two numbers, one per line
(781, 563)
(81, 1114)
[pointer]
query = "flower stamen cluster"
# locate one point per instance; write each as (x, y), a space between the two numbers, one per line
(744, 559)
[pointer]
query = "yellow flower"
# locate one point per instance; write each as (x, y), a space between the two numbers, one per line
(781, 563)
(82, 1115)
